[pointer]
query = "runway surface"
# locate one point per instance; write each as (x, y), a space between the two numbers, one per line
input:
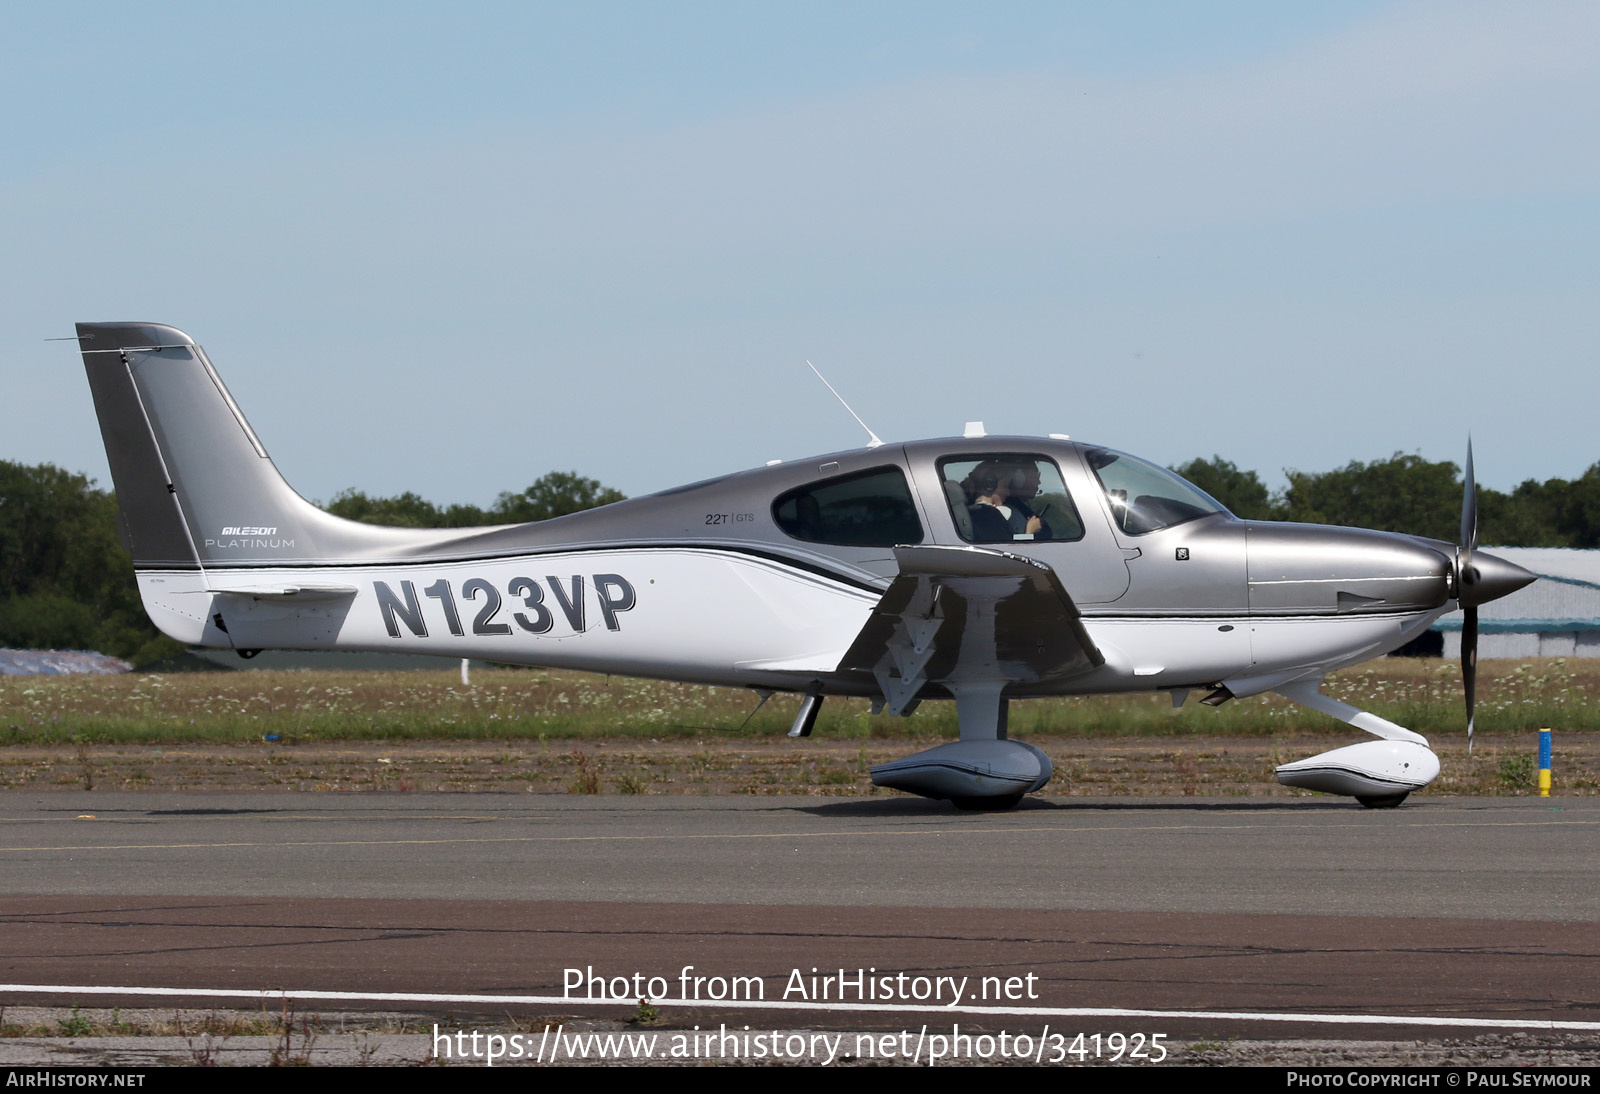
(1473, 908)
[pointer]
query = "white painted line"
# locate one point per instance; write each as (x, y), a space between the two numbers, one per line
(827, 1008)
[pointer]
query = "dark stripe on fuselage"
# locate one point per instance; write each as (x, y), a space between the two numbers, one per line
(1089, 614)
(1258, 616)
(806, 565)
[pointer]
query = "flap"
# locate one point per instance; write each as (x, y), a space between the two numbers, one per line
(970, 614)
(296, 592)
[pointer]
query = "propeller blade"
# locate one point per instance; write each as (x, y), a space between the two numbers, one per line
(1466, 572)
(1467, 576)
(1469, 665)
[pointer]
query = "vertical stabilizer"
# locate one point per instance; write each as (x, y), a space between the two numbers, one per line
(194, 485)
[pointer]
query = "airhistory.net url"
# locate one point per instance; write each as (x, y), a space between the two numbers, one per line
(919, 1046)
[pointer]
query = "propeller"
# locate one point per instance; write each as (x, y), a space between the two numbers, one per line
(1466, 577)
(1480, 578)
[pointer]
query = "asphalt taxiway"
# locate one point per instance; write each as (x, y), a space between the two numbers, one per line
(1477, 909)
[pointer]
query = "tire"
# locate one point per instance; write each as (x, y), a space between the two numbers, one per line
(1382, 801)
(987, 805)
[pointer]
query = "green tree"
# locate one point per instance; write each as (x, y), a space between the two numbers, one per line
(1243, 492)
(1580, 515)
(1554, 513)
(1404, 493)
(1526, 517)
(408, 510)
(553, 495)
(56, 531)
(66, 582)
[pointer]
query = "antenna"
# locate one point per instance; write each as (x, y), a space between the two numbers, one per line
(876, 440)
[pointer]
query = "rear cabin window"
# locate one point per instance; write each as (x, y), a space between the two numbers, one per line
(867, 509)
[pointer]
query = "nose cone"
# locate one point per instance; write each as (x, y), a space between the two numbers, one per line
(1488, 577)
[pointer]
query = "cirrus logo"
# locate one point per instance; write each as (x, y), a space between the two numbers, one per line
(249, 530)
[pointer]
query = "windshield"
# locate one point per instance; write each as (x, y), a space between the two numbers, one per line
(1145, 497)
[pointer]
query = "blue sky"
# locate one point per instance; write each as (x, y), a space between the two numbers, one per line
(449, 249)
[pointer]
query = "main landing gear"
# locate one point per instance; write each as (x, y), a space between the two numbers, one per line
(985, 771)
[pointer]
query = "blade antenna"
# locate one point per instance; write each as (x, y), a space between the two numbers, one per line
(875, 441)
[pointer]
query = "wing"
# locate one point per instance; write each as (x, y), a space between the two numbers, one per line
(970, 615)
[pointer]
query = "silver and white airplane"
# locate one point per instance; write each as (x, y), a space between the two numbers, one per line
(980, 569)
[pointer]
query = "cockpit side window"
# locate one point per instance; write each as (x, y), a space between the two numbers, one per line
(867, 509)
(1009, 497)
(1144, 497)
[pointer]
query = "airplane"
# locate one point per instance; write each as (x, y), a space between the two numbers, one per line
(980, 569)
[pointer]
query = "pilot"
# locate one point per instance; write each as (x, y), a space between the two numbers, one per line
(996, 518)
(1024, 489)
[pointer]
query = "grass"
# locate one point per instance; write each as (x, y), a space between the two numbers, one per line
(96, 1022)
(552, 732)
(566, 707)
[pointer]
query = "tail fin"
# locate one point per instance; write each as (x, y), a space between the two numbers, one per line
(196, 489)
(194, 485)
(198, 493)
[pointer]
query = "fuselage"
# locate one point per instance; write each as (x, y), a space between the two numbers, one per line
(763, 578)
